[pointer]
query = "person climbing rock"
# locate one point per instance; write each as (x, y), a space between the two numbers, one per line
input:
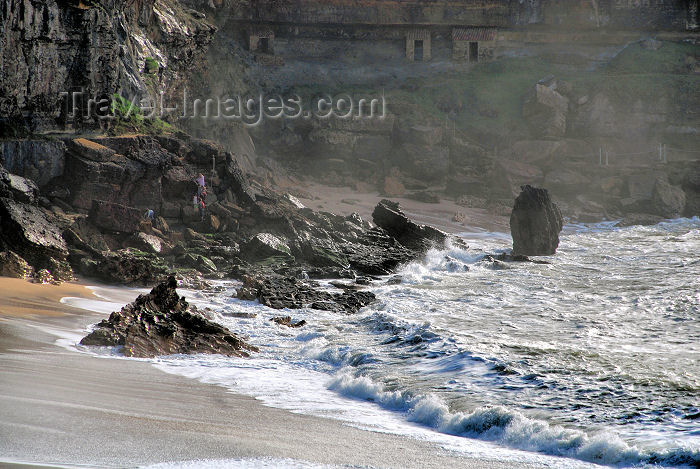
(202, 208)
(201, 185)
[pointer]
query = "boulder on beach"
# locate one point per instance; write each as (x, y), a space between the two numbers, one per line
(163, 323)
(535, 223)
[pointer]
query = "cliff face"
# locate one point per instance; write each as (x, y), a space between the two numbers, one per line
(98, 47)
(628, 14)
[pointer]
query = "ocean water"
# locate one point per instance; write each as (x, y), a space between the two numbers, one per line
(592, 359)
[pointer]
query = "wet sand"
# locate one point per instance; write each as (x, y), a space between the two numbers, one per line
(64, 407)
(20, 298)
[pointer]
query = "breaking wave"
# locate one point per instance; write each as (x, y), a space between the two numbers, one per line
(510, 428)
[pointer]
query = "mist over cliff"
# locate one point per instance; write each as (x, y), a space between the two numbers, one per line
(594, 99)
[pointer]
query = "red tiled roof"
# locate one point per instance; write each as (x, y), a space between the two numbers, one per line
(418, 34)
(473, 34)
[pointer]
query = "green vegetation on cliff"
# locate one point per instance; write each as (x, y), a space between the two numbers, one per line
(129, 118)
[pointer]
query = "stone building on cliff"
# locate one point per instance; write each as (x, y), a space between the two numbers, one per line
(463, 30)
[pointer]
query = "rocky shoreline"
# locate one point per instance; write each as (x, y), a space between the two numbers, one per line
(76, 187)
(89, 221)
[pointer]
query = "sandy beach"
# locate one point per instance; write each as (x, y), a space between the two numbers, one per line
(344, 200)
(68, 408)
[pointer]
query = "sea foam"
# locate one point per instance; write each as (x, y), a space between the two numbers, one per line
(508, 427)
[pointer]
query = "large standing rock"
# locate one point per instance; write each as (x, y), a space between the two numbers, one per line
(163, 323)
(667, 200)
(115, 217)
(535, 223)
(388, 215)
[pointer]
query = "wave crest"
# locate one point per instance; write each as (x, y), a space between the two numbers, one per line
(508, 427)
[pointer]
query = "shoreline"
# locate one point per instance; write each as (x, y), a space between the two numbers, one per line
(73, 408)
(22, 298)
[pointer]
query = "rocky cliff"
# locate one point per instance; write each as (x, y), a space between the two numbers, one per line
(98, 47)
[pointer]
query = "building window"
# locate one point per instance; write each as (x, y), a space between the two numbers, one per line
(418, 50)
(264, 45)
(473, 51)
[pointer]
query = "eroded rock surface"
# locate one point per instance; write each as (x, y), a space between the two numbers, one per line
(287, 292)
(163, 323)
(26, 230)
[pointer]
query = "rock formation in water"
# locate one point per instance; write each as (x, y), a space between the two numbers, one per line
(535, 223)
(163, 323)
(281, 292)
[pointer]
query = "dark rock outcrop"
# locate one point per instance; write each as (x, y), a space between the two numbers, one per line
(287, 292)
(535, 223)
(163, 323)
(26, 230)
(123, 267)
(12, 265)
(287, 321)
(419, 238)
